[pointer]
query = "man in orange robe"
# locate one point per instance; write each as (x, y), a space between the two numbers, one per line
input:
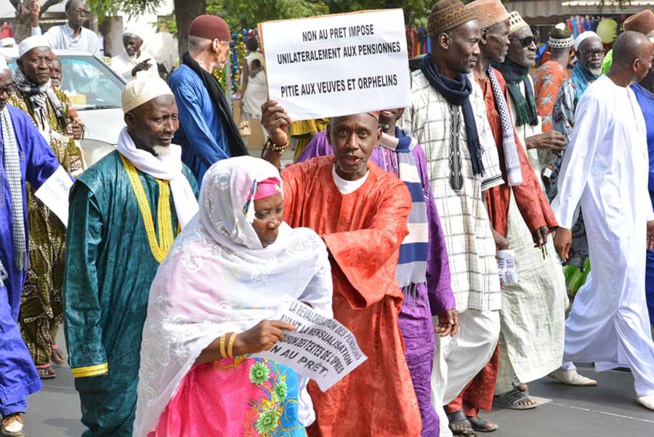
(361, 213)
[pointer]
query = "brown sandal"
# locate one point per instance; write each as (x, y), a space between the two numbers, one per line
(46, 371)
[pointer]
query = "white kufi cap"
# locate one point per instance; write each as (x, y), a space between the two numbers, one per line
(142, 90)
(32, 42)
(584, 36)
(3, 64)
(133, 30)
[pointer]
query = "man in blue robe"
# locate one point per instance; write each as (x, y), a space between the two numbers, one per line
(207, 130)
(24, 157)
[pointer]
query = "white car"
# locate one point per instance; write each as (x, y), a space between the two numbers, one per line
(94, 90)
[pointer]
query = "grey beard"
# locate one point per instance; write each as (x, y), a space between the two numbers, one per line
(161, 150)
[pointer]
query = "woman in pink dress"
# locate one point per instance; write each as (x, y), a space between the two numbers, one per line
(209, 309)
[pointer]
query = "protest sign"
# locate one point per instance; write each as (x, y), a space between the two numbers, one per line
(337, 64)
(320, 348)
(54, 193)
(506, 266)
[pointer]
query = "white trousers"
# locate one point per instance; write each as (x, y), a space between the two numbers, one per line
(458, 359)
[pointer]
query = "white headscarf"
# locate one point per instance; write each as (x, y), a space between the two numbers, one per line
(217, 278)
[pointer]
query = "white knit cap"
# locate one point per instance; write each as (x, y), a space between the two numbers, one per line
(3, 64)
(142, 90)
(32, 42)
(584, 36)
(133, 30)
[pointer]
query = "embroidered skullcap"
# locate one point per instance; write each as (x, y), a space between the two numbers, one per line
(3, 64)
(584, 36)
(561, 37)
(516, 22)
(31, 43)
(133, 30)
(488, 12)
(142, 90)
(642, 22)
(210, 27)
(446, 15)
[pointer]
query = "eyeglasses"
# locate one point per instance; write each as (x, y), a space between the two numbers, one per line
(592, 54)
(7, 89)
(526, 41)
(80, 11)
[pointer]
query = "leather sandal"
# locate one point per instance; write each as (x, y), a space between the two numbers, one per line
(460, 425)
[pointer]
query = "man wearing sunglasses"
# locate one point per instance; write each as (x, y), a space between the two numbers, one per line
(72, 35)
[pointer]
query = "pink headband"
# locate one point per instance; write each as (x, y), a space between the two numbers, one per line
(267, 188)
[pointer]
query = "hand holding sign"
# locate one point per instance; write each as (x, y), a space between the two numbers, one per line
(276, 121)
(319, 348)
(261, 337)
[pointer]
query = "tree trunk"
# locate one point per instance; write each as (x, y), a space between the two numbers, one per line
(185, 12)
(23, 24)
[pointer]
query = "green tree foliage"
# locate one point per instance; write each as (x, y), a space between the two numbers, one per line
(108, 8)
(249, 13)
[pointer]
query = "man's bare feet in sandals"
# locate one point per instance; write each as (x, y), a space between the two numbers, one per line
(46, 371)
(515, 400)
(482, 425)
(459, 424)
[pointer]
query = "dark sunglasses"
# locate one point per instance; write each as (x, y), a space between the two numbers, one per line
(526, 41)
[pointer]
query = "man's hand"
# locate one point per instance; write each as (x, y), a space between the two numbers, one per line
(77, 130)
(650, 235)
(540, 236)
(563, 240)
(276, 121)
(141, 66)
(448, 323)
(552, 140)
(35, 10)
(501, 243)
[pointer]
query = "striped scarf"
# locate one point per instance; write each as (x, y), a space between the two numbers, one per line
(511, 158)
(412, 265)
(12, 167)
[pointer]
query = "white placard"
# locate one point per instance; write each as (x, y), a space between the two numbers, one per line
(54, 193)
(335, 65)
(506, 266)
(320, 348)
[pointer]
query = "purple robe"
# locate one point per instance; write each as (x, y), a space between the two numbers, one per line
(18, 376)
(421, 301)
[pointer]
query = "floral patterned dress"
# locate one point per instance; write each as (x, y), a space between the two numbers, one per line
(242, 396)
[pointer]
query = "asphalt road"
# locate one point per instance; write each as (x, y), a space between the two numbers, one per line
(608, 409)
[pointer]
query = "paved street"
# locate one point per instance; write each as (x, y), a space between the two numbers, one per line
(604, 411)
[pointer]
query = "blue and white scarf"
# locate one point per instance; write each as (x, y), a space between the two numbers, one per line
(412, 265)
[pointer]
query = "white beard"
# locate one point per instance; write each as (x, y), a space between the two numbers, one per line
(161, 150)
(595, 71)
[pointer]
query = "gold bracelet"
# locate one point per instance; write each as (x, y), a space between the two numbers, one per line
(230, 345)
(275, 148)
(223, 353)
